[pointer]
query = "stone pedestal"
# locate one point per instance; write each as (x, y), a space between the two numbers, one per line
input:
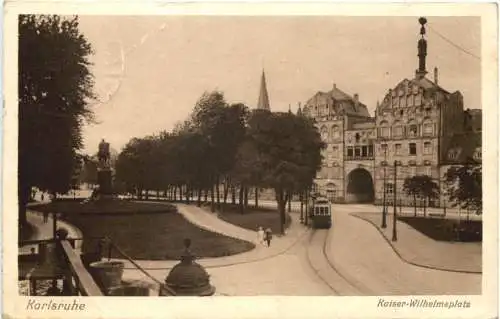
(104, 179)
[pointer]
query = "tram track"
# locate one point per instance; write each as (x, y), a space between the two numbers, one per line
(317, 257)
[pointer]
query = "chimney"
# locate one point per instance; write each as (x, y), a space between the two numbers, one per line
(334, 86)
(436, 76)
(356, 97)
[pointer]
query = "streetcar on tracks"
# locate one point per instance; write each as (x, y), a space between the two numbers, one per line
(321, 213)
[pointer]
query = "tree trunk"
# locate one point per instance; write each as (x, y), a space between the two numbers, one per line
(226, 192)
(301, 198)
(246, 197)
(289, 202)
(187, 194)
(233, 194)
(199, 198)
(218, 193)
(212, 199)
(415, 205)
(256, 197)
(206, 195)
(157, 194)
(281, 200)
(425, 207)
(241, 199)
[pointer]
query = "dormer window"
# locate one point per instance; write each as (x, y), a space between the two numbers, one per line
(454, 153)
(477, 154)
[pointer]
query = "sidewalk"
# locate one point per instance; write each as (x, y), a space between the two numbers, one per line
(45, 230)
(420, 250)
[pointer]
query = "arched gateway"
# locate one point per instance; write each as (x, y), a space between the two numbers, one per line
(360, 186)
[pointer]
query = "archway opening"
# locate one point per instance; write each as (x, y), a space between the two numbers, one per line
(360, 186)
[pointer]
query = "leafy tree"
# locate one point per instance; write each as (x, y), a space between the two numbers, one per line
(465, 185)
(289, 149)
(423, 186)
(410, 187)
(54, 86)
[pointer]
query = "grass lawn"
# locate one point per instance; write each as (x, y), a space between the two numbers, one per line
(253, 217)
(443, 229)
(144, 230)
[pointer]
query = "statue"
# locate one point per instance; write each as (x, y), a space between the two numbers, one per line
(103, 155)
(104, 172)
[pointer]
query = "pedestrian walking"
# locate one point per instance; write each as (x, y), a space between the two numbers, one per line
(268, 236)
(45, 217)
(260, 235)
(42, 197)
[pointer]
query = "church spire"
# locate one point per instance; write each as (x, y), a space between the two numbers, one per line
(263, 102)
(422, 50)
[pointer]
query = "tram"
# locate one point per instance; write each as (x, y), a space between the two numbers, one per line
(321, 213)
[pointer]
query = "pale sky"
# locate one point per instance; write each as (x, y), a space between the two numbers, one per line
(151, 70)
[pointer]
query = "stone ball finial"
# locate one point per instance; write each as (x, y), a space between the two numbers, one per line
(62, 233)
(422, 20)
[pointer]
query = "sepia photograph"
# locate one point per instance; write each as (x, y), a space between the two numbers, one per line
(177, 155)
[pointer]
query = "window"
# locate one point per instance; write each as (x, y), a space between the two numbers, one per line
(418, 99)
(413, 149)
(427, 148)
(383, 147)
(364, 151)
(324, 133)
(397, 149)
(370, 150)
(412, 171)
(412, 129)
(384, 130)
(427, 171)
(350, 152)
(409, 100)
(357, 136)
(398, 131)
(335, 131)
(428, 129)
(357, 152)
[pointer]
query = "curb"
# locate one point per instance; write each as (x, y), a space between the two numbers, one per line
(410, 262)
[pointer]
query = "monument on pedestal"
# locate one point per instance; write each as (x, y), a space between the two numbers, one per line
(104, 173)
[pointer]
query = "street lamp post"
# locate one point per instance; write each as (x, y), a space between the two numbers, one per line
(384, 207)
(394, 218)
(301, 207)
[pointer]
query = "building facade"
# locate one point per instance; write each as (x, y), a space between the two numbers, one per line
(419, 128)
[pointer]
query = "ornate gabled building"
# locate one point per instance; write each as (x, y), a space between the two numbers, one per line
(337, 114)
(418, 125)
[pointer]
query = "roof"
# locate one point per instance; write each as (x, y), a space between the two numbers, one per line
(336, 95)
(462, 147)
(427, 84)
(421, 82)
(263, 101)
